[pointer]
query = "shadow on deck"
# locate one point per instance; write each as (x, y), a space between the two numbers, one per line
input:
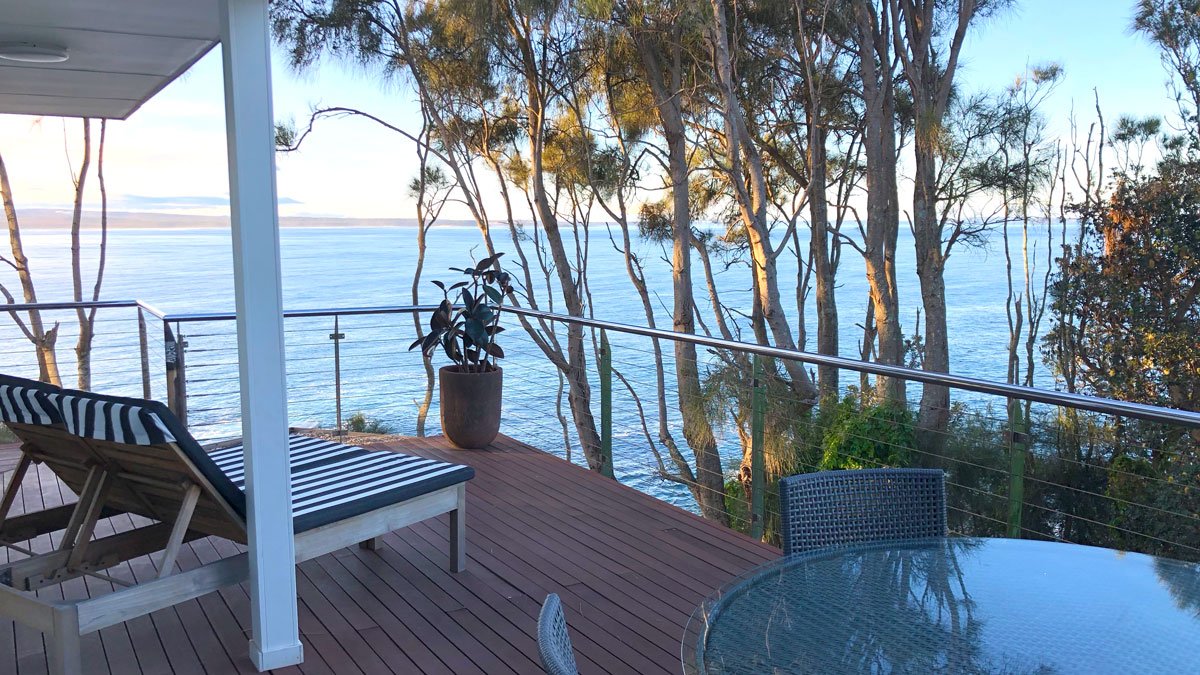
(629, 568)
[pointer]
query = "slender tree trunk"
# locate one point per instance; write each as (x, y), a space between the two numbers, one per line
(43, 339)
(422, 231)
(867, 348)
(579, 393)
(934, 416)
(872, 39)
(1012, 302)
(638, 278)
(83, 356)
(823, 269)
(929, 69)
(697, 429)
(429, 203)
(709, 490)
(87, 318)
(746, 161)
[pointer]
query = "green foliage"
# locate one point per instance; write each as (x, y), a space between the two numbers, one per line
(655, 221)
(1126, 299)
(434, 179)
(467, 331)
(359, 423)
(877, 435)
(1174, 26)
(737, 505)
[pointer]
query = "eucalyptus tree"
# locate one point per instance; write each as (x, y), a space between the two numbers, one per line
(807, 73)
(870, 32)
(741, 161)
(825, 70)
(430, 190)
(87, 317)
(32, 325)
(621, 150)
(929, 35)
(1174, 27)
(1031, 167)
(534, 48)
(664, 37)
(488, 75)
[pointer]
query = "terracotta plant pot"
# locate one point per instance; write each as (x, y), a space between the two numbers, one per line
(470, 406)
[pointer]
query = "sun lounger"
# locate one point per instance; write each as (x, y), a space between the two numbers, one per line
(123, 455)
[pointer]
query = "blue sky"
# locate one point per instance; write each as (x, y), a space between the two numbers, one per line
(170, 155)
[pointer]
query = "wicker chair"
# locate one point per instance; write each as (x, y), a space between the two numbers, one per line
(554, 644)
(838, 508)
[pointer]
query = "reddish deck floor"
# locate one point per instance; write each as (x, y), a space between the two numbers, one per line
(628, 567)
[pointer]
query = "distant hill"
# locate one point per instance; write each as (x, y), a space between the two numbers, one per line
(61, 219)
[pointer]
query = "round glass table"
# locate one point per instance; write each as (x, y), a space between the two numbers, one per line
(953, 605)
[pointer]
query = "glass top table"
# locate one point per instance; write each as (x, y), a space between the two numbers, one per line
(954, 605)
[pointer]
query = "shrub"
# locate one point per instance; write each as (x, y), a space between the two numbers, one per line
(872, 436)
(359, 423)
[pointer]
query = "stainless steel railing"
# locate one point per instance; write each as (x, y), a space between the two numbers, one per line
(1060, 398)
(1050, 397)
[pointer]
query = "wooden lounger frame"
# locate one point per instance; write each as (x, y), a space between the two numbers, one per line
(112, 478)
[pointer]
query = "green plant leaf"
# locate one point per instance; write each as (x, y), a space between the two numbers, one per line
(450, 346)
(487, 262)
(430, 342)
(477, 331)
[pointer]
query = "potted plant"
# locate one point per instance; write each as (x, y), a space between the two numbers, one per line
(466, 324)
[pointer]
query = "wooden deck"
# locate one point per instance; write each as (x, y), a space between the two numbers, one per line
(628, 567)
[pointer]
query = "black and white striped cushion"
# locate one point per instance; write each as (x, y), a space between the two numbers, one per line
(26, 405)
(331, 481)
(105, 419)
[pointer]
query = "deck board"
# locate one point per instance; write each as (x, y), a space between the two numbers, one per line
(628, 567)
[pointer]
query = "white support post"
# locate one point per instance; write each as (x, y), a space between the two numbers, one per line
(250, 129)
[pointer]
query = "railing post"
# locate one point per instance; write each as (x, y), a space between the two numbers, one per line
(1018, 438)
(758, 413)
(606, 440)
(144, 350)
(337, 336)
(173, 348)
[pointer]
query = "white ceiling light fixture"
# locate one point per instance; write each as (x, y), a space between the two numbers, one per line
(33, 52)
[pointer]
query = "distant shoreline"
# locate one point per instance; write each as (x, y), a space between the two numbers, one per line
(58, 219)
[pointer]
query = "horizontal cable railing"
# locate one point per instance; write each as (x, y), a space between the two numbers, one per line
(125, 353)
(1020, 461)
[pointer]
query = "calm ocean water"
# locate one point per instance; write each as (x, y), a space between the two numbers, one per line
(188, 270)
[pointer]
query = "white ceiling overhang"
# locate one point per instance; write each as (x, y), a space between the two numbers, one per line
(122, 52)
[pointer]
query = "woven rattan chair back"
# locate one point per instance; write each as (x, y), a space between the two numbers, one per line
(554, 644)
(839, 508)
